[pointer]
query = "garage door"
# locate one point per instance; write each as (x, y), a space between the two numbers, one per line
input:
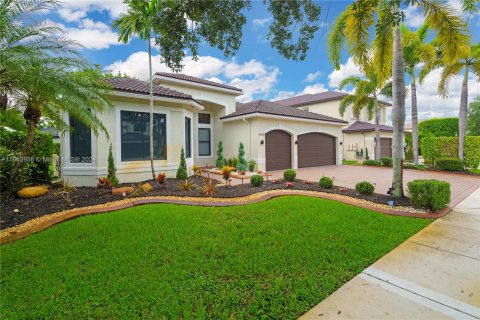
(386, 147)
(316, 149)
(278, 150)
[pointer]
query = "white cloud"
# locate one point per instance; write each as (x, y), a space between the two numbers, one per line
(254, 77)
(74, 10)
(313, 76)
(346, 70)
(413, 17)
(311, 89)
(261, 22)
(431, 105)
(92, 34)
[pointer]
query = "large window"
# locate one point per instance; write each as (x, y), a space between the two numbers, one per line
(188, 137)
(135, 127)
(80, 142)
(204, 142)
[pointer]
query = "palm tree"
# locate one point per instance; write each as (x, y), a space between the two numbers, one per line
(353, 27)
(139, 20)
(468, 62)
(416, 51)
(365, 96)
(36, 65)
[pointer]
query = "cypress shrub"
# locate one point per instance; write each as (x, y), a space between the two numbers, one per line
(182, 168)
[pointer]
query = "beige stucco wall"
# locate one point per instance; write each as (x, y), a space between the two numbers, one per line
(360, 140)
(86, 174)
(238, 131)
(330, 108)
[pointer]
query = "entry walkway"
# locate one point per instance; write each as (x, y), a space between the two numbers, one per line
(433, 275)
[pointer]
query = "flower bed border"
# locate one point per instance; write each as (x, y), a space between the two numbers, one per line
(35, 225)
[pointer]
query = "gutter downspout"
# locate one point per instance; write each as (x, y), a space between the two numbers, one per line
(249, 137)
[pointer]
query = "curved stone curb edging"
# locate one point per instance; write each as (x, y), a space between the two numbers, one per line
(35, 225)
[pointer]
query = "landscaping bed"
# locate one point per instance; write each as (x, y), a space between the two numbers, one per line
(17, 210)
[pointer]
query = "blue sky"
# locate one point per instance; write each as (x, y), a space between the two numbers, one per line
(257, 68)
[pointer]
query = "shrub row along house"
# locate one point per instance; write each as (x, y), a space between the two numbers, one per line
(196, 114)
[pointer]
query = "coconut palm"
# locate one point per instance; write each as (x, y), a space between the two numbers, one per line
(416, 51)
(353, 28)
(139, 20)
(36, 64)
(468, 63)
(365, 97)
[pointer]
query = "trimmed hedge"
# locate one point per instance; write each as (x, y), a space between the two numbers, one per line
(372, 163)
(449, 164)
(447, 147)
(289, 175)
(326, 182)
(414, 166)
(256, 180)
(429, 194)
(365, 187)
(441, 127)
(386, 161)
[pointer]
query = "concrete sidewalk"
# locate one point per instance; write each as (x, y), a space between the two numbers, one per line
(433, 275)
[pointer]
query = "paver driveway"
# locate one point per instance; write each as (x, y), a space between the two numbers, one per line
(348, 176)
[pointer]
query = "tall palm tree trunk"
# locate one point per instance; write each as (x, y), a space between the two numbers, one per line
(398, 112)
(462, 115)
(413, 88)
(151, 106)
(378, 145)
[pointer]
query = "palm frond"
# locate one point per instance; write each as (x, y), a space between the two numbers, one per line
(383, 44)
(449, 72)
(349, 81)
(346, 102)
(336, 39)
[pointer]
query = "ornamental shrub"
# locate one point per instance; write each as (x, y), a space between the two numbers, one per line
(220, 162)
(364, 187)
(326, 182)
(242, 163)
(37, 167)
(112, 176)
(449, 164)
(182, 168)
(289, 175)
(414, 166)
(386, 161)
(251, 165)
(256, 180)
(471, 154)
(429, 194)
(441, 127)
(372, 163)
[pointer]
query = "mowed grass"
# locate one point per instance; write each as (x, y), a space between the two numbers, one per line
(275, 259)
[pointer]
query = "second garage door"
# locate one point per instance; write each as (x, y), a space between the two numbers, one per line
(278, 150)
(316, 149)
(385, 147)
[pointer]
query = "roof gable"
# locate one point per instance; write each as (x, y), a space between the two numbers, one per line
(184, 77)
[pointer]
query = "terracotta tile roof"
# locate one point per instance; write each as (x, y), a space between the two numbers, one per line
(360, 126)
(272, 108)
(137, 86)
(307, 99)
(184, 77)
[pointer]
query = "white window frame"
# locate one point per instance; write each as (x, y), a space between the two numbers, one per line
(205, 126)
(66, 149)
(189, 116)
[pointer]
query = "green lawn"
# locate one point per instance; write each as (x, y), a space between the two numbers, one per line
(275, 259)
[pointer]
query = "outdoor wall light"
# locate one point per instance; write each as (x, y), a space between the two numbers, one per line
(261, 141)
(296, 142)
(341, 142)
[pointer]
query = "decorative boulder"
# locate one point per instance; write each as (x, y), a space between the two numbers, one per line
(146, 187)
(121, 191)
(32, 192)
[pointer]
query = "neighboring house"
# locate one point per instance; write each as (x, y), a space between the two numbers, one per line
(53, 132)
(360, 134)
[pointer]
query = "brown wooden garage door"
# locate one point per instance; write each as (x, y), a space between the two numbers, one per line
(316, 149)
(386, 147)
(278, 150)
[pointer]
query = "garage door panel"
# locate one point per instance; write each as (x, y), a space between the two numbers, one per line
(278, 150)
(316, 149)
(386, 147)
